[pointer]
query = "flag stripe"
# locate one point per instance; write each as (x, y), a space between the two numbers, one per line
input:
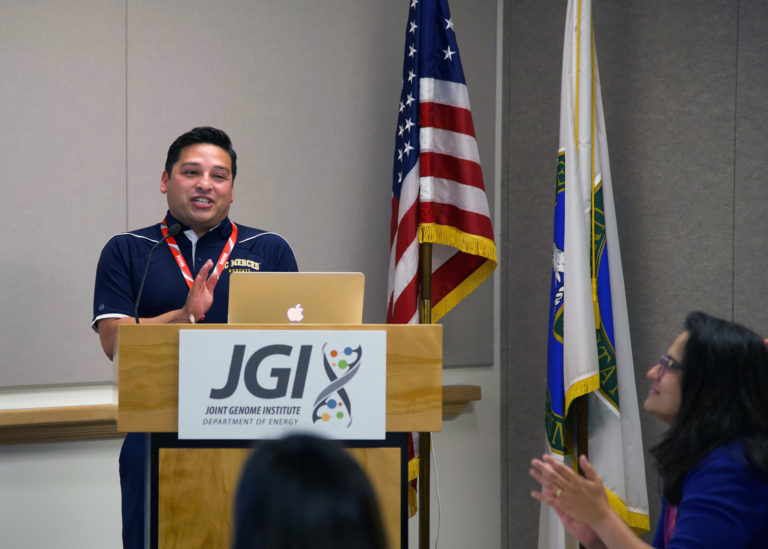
(467, 222)
(405, 304)
(394, 219)
(446, 166)
(405, 273)
(459, 267)
(444, 91)
(448, 142)
(406, 231)
(446, 117)
(445, 191)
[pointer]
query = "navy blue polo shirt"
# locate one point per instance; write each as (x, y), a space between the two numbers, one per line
(124, 258)
(118, 276)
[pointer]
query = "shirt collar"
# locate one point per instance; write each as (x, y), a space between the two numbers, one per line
(223, 229)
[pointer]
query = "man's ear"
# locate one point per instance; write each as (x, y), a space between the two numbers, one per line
(164, 182)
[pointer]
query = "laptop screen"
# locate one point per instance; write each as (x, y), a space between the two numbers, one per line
(296, 298)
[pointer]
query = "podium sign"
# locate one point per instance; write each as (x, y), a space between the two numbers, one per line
(246, 384)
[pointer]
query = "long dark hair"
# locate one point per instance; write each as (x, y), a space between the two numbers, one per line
(724, 398)
(304, 491)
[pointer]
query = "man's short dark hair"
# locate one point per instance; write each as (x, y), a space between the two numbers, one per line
(202, 134)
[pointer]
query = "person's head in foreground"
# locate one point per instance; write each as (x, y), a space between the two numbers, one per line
(304, 492)
(711, 387)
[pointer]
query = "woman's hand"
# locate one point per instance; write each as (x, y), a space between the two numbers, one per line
(586, 535)
(582, 499)
(582, 505)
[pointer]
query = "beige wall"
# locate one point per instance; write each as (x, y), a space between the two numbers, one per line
(94, 91)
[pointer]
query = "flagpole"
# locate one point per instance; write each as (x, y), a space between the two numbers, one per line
(582, 428)
(437, 185)
(425, 317)
(581, 405)
(425, 268)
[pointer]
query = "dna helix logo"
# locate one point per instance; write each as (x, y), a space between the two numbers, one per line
(333, 403)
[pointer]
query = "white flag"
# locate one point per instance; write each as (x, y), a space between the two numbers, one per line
(589, 345)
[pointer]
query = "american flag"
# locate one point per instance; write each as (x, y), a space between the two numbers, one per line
(438, 195)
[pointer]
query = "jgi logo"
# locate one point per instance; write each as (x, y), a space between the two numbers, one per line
(281, 375)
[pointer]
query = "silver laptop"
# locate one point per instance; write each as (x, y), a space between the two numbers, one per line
(296, 298)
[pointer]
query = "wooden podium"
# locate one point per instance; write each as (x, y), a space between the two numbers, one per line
(192, 483)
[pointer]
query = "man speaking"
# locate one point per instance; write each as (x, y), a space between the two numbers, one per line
(177, 271)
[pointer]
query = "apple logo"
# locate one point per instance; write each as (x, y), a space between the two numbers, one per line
(296, 314)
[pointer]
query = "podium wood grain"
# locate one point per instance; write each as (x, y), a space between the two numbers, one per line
(196, 485)
(148, 373)
(197, 488)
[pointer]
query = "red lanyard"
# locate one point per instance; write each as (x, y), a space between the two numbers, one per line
(183, 264)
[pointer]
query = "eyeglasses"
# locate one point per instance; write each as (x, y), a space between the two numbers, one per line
(667, 362)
